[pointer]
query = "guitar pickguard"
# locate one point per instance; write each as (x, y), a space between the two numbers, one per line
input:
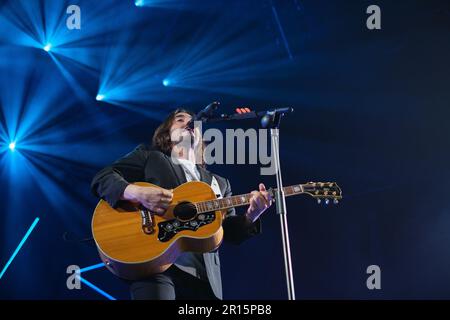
(168, 229)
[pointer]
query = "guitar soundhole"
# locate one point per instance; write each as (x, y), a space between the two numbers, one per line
(185, 211)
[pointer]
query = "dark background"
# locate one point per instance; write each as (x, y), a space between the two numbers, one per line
(371, 112)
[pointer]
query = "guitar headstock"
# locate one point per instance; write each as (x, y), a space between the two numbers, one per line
(323, 191)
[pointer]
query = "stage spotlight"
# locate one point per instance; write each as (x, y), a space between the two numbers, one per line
(139, 3)
(100, 97)
(166, 82)
(12, 146)
(48, 47)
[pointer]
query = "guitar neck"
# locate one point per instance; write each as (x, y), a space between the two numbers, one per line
(242, 199)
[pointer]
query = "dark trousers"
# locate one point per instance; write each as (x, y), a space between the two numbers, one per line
(173, 284)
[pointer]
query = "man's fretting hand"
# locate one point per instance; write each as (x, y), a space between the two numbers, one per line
(259, 202)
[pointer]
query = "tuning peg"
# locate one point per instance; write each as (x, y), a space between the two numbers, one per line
(327, 201)
(335, 201)
(319, 201)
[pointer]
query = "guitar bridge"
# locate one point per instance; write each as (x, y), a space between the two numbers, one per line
(147, 221)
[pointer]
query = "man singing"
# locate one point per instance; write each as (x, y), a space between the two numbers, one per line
(168, 164)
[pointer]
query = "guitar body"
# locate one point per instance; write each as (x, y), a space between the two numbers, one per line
(131, 251)
(133, 243)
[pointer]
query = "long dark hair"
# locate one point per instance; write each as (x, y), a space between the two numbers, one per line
(161, 138)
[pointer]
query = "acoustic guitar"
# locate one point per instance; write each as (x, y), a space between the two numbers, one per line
(135, 243)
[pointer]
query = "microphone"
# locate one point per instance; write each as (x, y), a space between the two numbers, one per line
(204, 115)
(271, 119)
(281, 110)
(267, 117)
(207, 112)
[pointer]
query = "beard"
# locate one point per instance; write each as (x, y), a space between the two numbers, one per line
(184, 138)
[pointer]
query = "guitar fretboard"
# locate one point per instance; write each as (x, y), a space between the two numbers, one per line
(241, 200)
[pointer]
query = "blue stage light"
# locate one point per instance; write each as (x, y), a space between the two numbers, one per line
(166, 82)
(93, 267)
(139, 3)
(100, 97)
(94, 287)
(48, 47)
(12, 146)
(25, 237)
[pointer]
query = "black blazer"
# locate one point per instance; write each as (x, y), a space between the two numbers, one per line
(149, 165)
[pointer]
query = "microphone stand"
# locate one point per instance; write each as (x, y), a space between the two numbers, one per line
(272, 119)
